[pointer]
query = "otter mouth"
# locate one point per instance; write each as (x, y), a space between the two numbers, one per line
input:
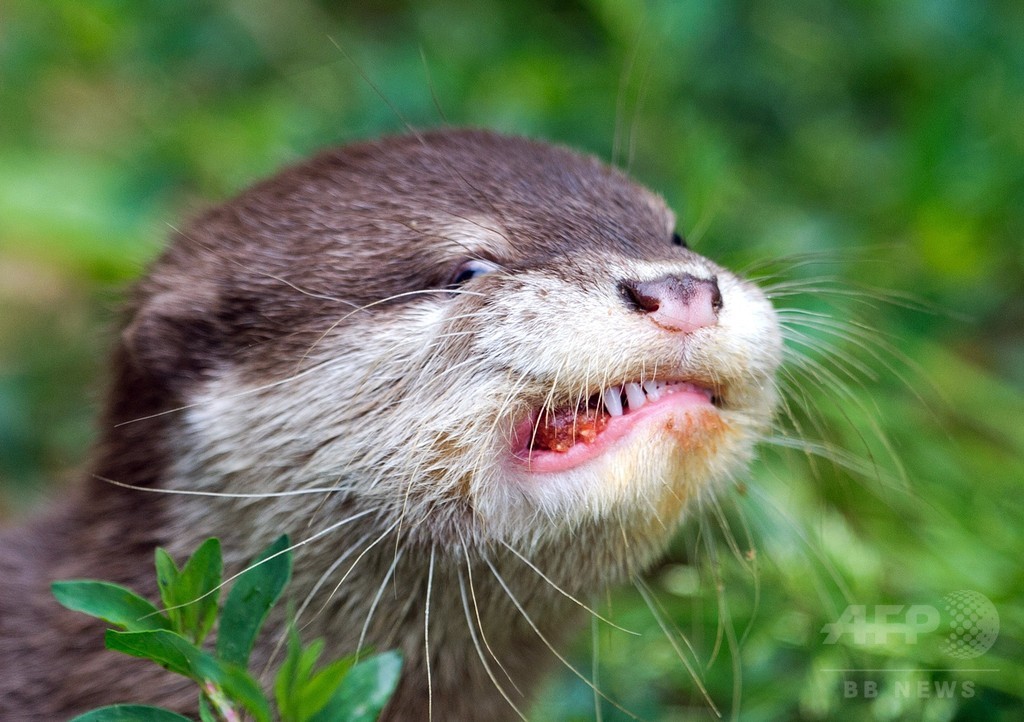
(567, 436)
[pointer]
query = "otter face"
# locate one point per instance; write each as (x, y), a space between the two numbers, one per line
(474, 338)
(628, 408)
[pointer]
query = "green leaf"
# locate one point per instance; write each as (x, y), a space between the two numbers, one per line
(177, 654)
(364, 691)
(190, 595)
(300, 692)
(168, 649)
(318, 689)
(197, 589)
(130, 713)
(285, 680)
(307, 659)
(250, 600)
(166, 580)
(111, 603)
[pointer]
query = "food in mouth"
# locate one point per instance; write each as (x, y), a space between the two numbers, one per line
(565, 437)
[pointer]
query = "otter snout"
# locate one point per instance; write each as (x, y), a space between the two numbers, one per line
(681, 303)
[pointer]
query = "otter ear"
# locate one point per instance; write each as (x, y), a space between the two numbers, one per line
(173, 336)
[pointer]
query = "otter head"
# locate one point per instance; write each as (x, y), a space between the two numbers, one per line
(477, 341)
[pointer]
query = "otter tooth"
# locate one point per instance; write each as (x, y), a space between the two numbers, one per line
(653, 389)
(635, 396)
(612, 400)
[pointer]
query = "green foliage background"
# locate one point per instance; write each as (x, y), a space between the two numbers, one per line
(886, 139)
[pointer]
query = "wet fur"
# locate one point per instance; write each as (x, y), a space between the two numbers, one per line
(303, 338)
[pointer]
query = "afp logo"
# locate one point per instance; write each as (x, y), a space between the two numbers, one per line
(973, 624)
(968, 621)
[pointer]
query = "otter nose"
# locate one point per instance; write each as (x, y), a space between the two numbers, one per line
(677, 303)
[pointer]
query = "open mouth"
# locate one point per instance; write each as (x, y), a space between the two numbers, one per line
(570, 435)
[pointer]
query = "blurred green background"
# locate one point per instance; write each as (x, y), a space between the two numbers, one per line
(865, 159)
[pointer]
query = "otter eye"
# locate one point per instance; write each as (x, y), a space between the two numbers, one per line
(468, 270)
(678, 240)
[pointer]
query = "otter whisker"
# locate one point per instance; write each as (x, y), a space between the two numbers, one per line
(730, 539)
(514, 392)
(479, 621)
(841, 457)
(564, 593)
(224, 494)
(282, 638)
(327, 573)
(792, 391)
(377, 597)
(753, 558)
(378, 302)
(866, 339)
(237, 395)
(426, 636)
(540, 635)
(649, 600)
(304, 292)
(643, 494)
(870, 296)
(407, 495)
(792, 262)
(476, 644)
(725, 627)
(248, 267)
(829, 382)
(451, 369)
(345, 576)
(848, 365)
(827, 379)
(704, 539)
(595, 667)
(798, 529)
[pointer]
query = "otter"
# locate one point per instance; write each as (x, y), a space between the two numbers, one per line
(482, 375)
